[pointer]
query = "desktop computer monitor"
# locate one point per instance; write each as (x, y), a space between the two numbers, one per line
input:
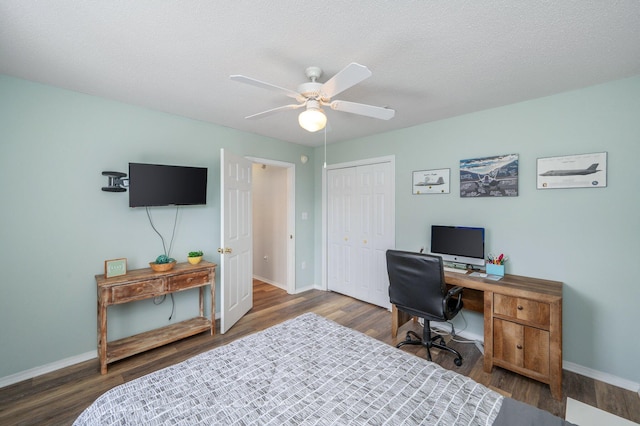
(458, 244)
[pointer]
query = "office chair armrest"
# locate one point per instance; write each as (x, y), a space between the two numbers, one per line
(453, 292)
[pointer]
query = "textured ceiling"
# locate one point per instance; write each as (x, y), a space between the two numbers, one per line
(430, 59)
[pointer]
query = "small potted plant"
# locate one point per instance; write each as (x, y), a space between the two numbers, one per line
(163, 263)
(194, 257)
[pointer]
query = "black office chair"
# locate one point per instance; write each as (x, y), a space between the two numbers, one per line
(417, 287)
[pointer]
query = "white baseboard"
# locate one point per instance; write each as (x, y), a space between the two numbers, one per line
(603, 377)
(273, 283)
(471, 336)
(47, 368)
(307, 288)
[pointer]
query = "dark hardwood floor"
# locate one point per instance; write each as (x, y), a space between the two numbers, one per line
(57, 398)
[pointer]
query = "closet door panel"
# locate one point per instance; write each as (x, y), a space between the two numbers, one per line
(383, 231)
(360, 218)
(364, 218)
(341, 256)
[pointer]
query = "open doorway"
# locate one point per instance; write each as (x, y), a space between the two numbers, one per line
(273, 201)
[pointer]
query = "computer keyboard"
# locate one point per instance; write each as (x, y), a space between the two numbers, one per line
(456, 270)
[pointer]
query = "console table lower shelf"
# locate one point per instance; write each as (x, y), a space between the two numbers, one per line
(132, 345)
(143, 284)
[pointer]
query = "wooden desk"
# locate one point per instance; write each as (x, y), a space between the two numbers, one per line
(142, 284)
(522, 324)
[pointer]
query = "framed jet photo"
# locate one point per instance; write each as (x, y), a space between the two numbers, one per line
(431, 181)
(572, 171)
(495, 176)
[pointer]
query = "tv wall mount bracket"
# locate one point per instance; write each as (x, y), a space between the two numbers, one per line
(117, 182)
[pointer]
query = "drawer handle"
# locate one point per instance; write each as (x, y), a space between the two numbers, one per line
(520, 307)
(519, 346)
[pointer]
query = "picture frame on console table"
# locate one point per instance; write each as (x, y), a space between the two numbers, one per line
(572, 171)
(435, 181)
(115, 267)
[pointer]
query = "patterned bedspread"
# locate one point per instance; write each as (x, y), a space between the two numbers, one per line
(308, 370)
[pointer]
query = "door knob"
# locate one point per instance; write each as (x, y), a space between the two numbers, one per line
(225, 250)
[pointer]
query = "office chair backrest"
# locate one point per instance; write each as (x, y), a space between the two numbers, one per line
(416, 283)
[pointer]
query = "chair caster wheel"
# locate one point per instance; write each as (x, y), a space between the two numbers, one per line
(458, 361)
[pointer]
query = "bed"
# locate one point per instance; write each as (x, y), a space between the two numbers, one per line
(308, 370)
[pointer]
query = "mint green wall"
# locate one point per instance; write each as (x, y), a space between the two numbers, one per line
(57, 227)
(586, 238)
(54, 144)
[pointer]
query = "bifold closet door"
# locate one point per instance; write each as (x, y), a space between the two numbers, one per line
(376, 232)
(360, 230)
(341, 191)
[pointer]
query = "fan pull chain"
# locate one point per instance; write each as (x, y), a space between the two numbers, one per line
(325, 147)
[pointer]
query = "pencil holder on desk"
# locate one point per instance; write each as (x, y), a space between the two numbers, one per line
(493, 269)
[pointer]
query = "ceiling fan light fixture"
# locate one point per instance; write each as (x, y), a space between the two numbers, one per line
(313, 94)
(312, 119)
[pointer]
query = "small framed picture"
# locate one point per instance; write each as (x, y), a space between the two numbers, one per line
(431, 181)
(115, 267)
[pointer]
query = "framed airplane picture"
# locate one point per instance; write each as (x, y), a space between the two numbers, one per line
(431, 181)
(572, 171)
(495, 176)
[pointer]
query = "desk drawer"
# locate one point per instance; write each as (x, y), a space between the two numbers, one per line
(137, 291)
(185, 281)
(524, 310)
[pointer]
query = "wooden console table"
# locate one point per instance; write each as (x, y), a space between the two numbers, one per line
(142, 284)
(522, 324)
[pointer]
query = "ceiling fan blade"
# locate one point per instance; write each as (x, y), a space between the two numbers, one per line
(363, 109)
(258, 83)
(274, 111)
(351, 75)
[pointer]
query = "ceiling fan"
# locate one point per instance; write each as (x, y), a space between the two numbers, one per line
(313, 95)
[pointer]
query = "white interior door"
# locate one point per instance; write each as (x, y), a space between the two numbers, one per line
(236, 246)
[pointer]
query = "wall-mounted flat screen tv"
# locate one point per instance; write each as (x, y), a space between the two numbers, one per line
(162, 185)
